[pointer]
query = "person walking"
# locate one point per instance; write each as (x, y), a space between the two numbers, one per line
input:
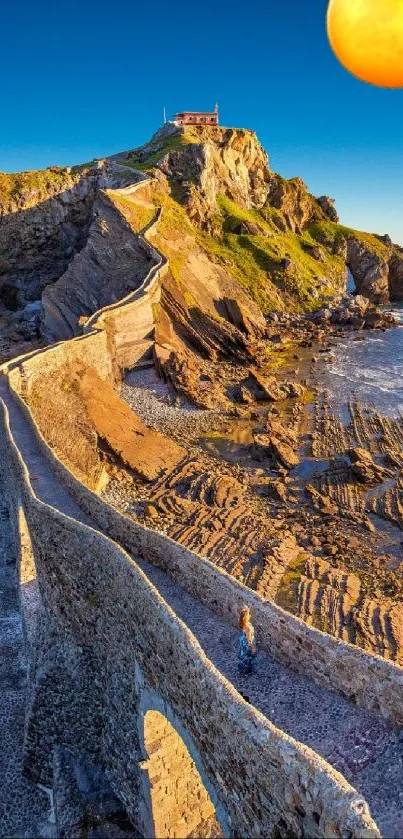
(247, 648)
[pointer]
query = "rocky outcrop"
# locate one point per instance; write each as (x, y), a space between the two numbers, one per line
(145, 451)
(369, 269)
(275, 450)
(321, 502)
(37, 242)
(45, 218)
(267, 387)
(365, 469)
(396, 274)
(355, 312)
(328, 206)
(24, 190)
(184, 371)
(227, 162)
(278, 445)
(112, 263)
(61, 240)
(232, 163)
(297, 206)
(336, 601)
(187, 337)
(375, 262)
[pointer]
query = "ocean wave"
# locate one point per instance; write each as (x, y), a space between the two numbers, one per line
(371, 370)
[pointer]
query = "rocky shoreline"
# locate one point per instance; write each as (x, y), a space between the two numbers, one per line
(279, 512)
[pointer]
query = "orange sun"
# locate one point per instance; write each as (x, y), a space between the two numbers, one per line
(367, 37)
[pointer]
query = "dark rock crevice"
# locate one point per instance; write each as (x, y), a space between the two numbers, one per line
(37, 243)
(112, 263)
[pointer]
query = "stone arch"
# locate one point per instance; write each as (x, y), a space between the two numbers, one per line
(178, 800)
(178, 803)
(351, 283)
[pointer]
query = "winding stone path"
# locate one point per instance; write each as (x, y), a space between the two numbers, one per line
(368, 752)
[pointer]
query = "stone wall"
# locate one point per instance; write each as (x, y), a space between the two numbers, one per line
(109, 635)
(130, 323)
(368, 680)
(179, 803)
(107, 639)
(89, 351)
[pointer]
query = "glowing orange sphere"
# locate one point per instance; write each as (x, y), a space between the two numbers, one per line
(367, 38)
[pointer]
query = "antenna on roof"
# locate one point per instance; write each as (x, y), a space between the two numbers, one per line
(216, 108)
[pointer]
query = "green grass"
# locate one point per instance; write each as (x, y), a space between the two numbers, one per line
(155, 150)
(258, 260)
(233, 213)
(287, 592)
(371, 242)
(136, 214)
(233, 252)
(328, 232)
(255, 261)
(32, 187)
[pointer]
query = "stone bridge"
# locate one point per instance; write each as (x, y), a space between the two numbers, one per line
(135, 720)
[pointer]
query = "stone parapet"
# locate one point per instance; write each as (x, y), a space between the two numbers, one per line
(106, 611)
(109, 644)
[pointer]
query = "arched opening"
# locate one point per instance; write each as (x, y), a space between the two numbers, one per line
(351, 286)
(178, 803)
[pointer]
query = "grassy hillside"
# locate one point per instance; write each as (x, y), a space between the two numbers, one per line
(255, 262)
(278, 268)
(28, 188)
(260, 259)
(149, 155)
(329, 233)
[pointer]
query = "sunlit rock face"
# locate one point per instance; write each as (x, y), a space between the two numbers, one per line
(370, 271)
(110, 265)
(227, 162)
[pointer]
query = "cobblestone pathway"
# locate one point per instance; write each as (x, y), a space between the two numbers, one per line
(24, 808)
(367, 751)
(359, 744)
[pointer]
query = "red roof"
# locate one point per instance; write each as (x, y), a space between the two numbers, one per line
(196, 113)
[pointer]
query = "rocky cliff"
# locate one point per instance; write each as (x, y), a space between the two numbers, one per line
(216, 162)
(110, 264)
(46, 219)
(250, 260)
(41, 228)
(209, 167)
(242, 241)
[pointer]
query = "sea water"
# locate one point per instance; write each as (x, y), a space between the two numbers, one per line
(369, 369)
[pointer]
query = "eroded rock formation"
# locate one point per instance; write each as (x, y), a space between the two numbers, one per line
(227, 162)
(148, 453)
(112, 263)
(40, 237)
(298, 207)
(370, 270)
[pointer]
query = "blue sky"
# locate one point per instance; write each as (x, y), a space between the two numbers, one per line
(84, 79)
